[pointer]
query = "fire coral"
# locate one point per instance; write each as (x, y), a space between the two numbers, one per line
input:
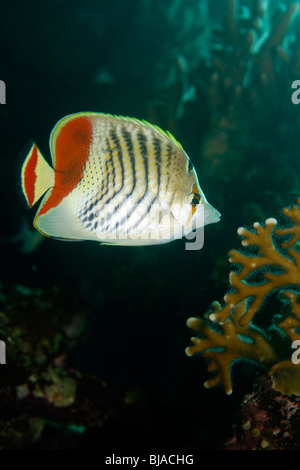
(270, 264)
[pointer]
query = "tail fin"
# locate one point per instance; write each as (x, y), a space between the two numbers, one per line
(36, 176)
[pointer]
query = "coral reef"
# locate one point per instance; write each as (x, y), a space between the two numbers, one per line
(237, 117)
(39, 392)
(269, 265)
(254, 57)
(218, 75)
(268, 420)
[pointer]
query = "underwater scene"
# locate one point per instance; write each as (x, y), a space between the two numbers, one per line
(150, 227)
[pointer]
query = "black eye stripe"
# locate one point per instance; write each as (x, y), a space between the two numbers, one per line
(194, 199)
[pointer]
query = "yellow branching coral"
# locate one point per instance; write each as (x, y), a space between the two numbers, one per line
(224, 348)
(228, 333)
(288, 267)
(294, 215)
(291, 324)
(286, 374)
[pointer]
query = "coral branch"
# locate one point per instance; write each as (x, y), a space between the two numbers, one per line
(286, 374)
(290, 324)
(285, 269)
(294, 215)
(231, 346)
(228, 334)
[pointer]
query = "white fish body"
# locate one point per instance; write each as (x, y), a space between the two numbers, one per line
(114, 180)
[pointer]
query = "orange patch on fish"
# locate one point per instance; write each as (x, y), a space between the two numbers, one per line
(71, 153)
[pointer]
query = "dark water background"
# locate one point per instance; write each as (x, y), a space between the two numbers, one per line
(51, 55)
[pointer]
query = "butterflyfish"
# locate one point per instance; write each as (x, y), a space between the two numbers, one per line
(115, 180)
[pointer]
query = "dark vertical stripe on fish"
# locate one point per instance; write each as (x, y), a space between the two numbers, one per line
(128, 142)
(127, 138)
(111, 161)
(105, 182)
(142, 141)
(157, 151)
(116, 141)
(110, 142)
(169, 155)
(168, 164)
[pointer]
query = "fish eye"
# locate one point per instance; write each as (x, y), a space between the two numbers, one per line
(194, 199)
